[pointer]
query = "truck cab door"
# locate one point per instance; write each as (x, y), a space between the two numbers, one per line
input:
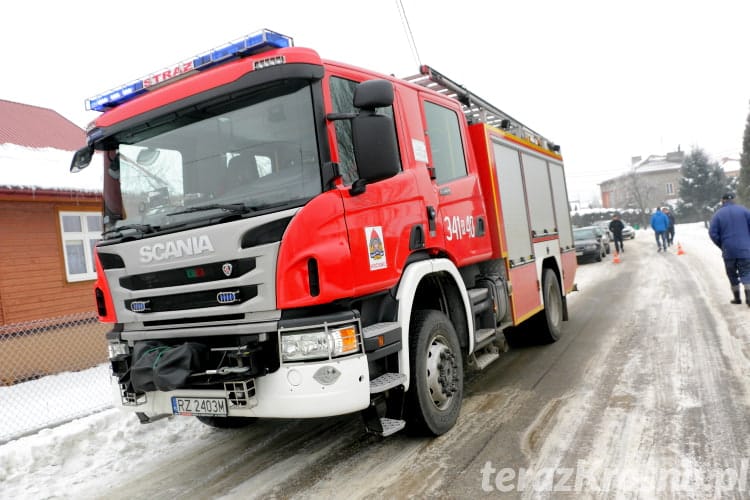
(385, 218)
(460, 213)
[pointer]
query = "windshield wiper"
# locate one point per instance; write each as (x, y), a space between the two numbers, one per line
(140, 228)
(238, 208)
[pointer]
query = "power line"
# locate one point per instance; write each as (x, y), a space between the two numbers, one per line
(409, 35)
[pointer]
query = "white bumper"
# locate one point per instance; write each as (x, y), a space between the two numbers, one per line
(289, 392)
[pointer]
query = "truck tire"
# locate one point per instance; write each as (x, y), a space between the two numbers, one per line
(550, 320)
(227, 422)
(435, 393)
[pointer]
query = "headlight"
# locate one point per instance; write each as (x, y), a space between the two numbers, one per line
(320, 344)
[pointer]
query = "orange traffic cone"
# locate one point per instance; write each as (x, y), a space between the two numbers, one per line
(616, 258)
(680, 251)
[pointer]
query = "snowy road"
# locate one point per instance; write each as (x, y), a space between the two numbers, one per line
(646, 395)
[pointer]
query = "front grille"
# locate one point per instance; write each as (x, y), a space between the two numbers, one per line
(214, 271)
(193, 300)
(201, 319)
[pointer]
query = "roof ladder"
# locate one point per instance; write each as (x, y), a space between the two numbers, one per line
(476, 109)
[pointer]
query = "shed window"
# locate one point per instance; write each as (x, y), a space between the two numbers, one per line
(80, 231)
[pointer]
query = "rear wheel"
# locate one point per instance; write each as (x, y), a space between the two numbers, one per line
(550, 320)
(436, 386)
(227, 422)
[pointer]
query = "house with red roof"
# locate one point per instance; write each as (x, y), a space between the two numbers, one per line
(50, 219)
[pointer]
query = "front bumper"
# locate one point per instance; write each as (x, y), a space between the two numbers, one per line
(293, 391)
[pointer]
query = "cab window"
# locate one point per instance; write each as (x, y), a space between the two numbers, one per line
(446, 147)
(342, 97)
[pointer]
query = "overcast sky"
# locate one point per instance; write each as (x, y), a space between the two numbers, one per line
(607, 81)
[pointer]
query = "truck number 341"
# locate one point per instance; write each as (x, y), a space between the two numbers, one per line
(458, 227)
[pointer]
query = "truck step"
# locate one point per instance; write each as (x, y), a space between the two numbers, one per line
(387, 381)
(483, 337)
(483, 360)
(391, 426)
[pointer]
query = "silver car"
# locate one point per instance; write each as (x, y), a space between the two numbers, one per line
(602, 227)
(628, 233)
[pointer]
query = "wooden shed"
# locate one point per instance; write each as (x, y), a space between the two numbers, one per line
(49, 218)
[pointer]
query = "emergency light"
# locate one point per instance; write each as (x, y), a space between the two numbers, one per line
(254, 43)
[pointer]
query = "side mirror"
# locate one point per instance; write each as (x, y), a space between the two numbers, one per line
(373, 135)
(375, 147)
(373, 94)
(82, 158)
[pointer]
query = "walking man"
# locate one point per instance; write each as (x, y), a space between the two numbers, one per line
(730, 231)
(670, 229)
(615, 227)
(660, 223)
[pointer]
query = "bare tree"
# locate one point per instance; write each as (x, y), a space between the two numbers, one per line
(639, 194)
(743, 186)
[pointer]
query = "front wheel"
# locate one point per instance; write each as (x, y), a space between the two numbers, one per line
(436, 386)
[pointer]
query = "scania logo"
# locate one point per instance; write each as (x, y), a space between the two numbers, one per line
(227, 269)
(228, 297)
(172, 249)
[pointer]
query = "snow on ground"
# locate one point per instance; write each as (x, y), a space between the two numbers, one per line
(31, 406)
(662, 408)
(81, 458)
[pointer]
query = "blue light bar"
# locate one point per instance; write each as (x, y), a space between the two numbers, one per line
(255, 43)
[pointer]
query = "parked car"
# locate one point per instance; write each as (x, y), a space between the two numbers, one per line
(605, 236)
(588, 241)
(604, 225)
(628, 233)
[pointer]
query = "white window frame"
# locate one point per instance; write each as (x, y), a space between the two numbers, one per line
(87, 237)
(670, 188)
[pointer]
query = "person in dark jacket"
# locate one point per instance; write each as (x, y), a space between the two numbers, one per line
(730, 231)
(670, 228)
(660, 223)
(615, 227)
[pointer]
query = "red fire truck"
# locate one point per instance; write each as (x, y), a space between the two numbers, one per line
(286, 236)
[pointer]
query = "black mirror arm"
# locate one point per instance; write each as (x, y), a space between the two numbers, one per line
(332, 117)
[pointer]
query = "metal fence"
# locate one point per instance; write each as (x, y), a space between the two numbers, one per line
(51, 371)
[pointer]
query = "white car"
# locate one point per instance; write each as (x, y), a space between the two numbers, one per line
(628, 233)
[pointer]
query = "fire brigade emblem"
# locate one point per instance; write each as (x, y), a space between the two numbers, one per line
(375, 247)
(227, 269)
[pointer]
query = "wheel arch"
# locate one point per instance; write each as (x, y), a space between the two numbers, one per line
(433, 284)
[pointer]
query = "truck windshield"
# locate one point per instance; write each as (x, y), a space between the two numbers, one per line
(236, 157)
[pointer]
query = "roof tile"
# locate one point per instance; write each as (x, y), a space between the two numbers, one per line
(36, 127)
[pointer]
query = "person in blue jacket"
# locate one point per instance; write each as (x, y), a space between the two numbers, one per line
(730, 231)
(660, 224)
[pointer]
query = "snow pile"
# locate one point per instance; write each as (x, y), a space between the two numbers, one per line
(36, 404)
